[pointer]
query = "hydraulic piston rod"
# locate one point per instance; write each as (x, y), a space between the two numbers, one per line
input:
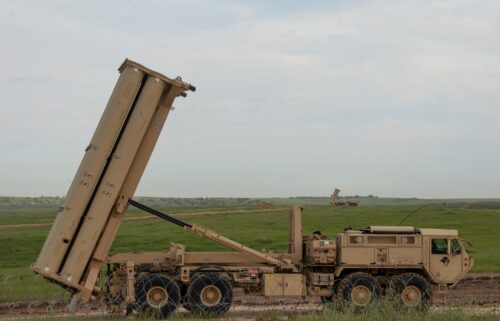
(159, 214)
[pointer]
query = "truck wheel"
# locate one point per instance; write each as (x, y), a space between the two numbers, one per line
(156, 296)
(358, 290)
(209, 294)
(411, 290)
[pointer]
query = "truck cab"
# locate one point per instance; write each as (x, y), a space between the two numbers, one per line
(439, 253)
(447, 259)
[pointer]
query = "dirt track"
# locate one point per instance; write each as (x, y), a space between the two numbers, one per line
(473, 289)
(480, 293)
(237, 312)
(149, 217)
(477, 289)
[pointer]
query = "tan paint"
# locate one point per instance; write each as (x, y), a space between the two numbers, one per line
(278, 284)
(89, 171)
(333, 197)
(107, 192)
(98, 199)
(206, 233)
(448, 268)
(101, 221)
(190, 258)
(295, 234)
(131, 182)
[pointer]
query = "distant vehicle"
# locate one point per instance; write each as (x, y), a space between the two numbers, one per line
(335, 202)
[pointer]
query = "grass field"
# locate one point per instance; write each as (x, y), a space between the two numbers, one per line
(455, 315)
(382, 311)
(261, 230)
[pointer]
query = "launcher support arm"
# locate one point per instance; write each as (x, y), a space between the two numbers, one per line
(211, 235)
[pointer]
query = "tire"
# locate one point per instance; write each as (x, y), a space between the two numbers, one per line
(209, 294)
(411, 290)
(156, 296)
(358, 290)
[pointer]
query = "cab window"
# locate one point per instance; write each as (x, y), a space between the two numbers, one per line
(455, 247)
(439, 246)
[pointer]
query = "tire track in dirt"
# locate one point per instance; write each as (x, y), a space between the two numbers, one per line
(477, 293)
(149, 217)
(237, 312)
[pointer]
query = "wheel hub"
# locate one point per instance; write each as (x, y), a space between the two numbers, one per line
(157, 296)
(210, 295)
(411, 295)
(361, 295)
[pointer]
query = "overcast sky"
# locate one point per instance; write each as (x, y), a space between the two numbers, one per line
(392, 98)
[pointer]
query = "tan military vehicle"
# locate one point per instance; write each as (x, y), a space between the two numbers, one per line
(355, 267)
(335, 202)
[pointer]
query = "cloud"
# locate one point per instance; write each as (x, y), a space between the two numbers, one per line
(385, 98)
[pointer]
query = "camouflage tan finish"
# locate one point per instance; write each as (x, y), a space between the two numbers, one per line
(110, 171)
(89, 172)
(404, 247)
(356, 265)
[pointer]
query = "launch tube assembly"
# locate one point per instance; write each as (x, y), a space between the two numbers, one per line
(110, 171)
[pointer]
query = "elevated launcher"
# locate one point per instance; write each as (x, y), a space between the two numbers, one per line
(114, 161)
(334, 201)
(103, 187)
(105, 182)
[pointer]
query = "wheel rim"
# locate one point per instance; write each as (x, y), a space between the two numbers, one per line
(361, 295)
(411, 295)
(210, 295)
(157, 297)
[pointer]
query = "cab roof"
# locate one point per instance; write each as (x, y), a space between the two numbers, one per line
(404, 230)
(436, 231)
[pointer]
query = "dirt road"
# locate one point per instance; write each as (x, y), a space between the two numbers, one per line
(149, 217)
(478, 293)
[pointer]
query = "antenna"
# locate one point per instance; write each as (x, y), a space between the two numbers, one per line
(418, 209)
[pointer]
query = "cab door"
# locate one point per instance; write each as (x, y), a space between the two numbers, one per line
(445, 263)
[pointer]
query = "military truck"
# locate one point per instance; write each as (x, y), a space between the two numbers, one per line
(334, 201)
(354, 268)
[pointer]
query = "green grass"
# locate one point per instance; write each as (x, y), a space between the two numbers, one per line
(47, 202)
(383, 311)
(26, 215)
(269, 230)
(260, 230)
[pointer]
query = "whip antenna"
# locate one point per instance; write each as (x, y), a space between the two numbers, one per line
(418, 209)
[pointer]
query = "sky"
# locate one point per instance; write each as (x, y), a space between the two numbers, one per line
(390, 98)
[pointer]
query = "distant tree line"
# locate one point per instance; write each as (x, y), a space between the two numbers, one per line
(49, 202)
(198, 201)
(341, 196)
